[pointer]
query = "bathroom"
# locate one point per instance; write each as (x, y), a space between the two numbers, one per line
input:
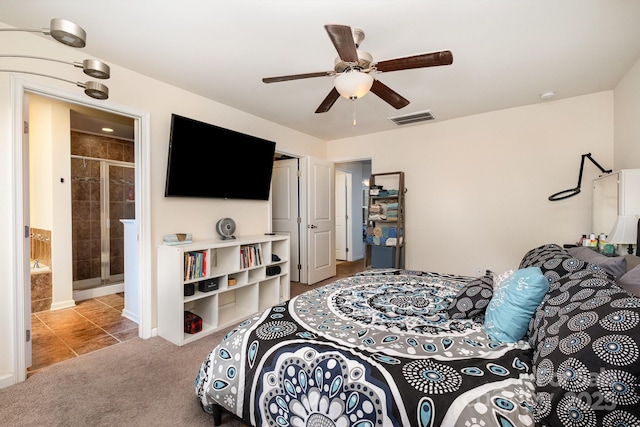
(81, 185)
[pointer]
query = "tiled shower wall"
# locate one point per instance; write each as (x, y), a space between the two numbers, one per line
(85, 194)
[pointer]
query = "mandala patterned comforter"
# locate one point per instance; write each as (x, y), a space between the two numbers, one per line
(369, 350)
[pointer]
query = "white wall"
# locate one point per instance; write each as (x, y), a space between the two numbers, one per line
(627, 117)
(477, 187)
(133, 92)
(40, 164)
(50, 150)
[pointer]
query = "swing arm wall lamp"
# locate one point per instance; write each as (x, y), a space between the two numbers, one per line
(63, 31)
(93, 89)
(91, 67)
(70, 34)
(565, 194)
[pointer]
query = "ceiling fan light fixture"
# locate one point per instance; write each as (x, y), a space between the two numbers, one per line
(353, 84)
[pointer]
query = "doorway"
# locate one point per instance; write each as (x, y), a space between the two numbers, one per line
(302, 206)
(54, 179)
(351, 203)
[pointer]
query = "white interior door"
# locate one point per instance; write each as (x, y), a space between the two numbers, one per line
(285, 216)
(341, 216)
(321, 246)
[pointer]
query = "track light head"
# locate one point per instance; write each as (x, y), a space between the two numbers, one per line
(94, 68)
(95, 90)
(66, 32)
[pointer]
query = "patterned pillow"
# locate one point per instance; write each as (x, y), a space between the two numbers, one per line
(537, 257)
(586, 356)
(555, 263)
(473, 298)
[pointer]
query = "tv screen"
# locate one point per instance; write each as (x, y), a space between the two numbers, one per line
(210, 161)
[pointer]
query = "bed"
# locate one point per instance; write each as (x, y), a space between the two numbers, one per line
(552, 343)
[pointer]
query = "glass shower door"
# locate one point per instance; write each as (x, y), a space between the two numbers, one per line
(102, 193)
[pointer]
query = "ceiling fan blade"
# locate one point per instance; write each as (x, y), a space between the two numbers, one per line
(342, 38)
(328, 101)
(433, 59)
(297, 76)
(389, 95)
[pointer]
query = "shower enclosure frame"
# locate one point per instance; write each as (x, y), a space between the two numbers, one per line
(106, 276)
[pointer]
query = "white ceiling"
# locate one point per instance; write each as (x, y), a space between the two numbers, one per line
(506, 52)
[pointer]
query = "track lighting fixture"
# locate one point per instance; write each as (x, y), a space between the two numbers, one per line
(65, 32)
(91, 67)
(93, 89)
(70, 34)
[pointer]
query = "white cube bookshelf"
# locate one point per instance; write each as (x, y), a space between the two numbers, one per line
(229, 304)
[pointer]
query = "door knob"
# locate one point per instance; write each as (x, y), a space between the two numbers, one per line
(312, 226)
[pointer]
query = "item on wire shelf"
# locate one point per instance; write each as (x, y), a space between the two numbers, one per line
(377, 217)
(387, 193)
(380, 235)
(376, 208)
(374, 190)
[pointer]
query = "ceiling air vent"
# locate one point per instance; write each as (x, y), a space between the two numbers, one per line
(409, 119)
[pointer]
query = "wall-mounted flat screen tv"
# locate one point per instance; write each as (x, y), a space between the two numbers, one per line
(210, 161)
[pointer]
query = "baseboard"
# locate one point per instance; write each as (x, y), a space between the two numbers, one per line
(99, 291)
(7, 380)
(131, 316)
(63, 304)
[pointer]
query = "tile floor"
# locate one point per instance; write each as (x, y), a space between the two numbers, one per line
(97, 323)
(71, 332)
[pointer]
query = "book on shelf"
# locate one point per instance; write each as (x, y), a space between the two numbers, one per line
(195, 265)
(251, 256)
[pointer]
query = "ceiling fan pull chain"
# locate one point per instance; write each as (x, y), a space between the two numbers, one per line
(354, 116)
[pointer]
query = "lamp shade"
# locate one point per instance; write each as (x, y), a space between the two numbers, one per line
(625, 230)
(353, 84)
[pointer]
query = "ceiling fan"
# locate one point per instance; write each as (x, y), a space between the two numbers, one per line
(353, 69)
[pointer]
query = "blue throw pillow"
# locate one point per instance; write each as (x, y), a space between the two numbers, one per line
(513, 304)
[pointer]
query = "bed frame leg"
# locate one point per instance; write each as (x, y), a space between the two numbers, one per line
(217, 414)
